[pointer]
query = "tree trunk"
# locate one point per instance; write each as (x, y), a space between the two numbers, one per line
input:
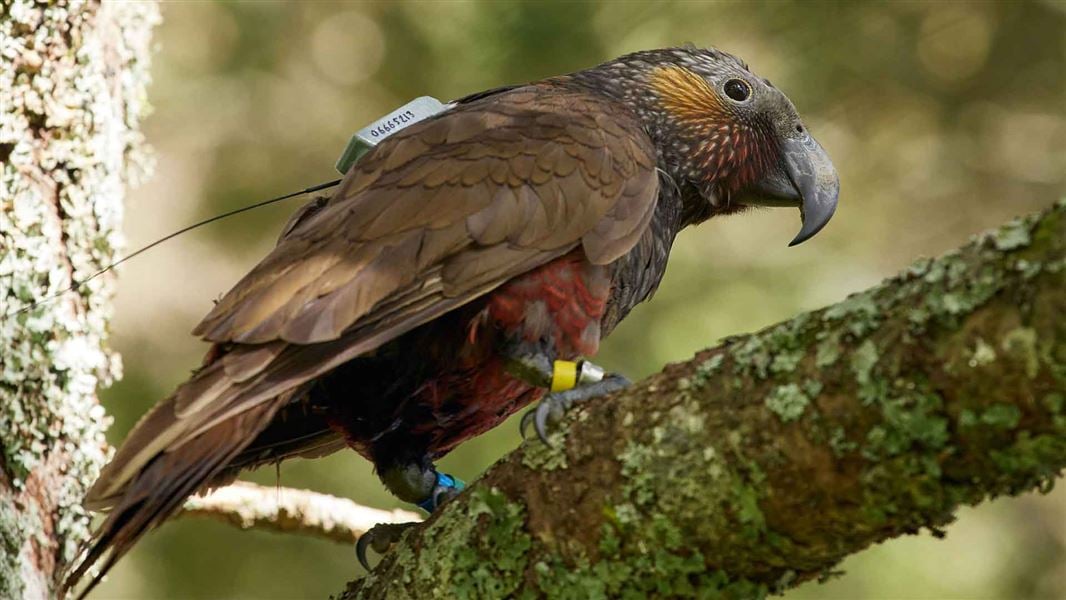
(761, 463)
(72, 93)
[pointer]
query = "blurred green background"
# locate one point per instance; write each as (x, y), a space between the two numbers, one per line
(944, 119)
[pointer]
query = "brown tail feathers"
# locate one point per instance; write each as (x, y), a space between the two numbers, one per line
(160, 488)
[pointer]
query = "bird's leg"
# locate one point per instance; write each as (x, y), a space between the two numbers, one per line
(569, 383)
(417, 482)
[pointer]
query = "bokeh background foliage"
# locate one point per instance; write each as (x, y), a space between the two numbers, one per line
(943, 119)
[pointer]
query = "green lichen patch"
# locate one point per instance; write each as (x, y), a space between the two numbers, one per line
(1002, 416)
(1028, 269)
(786, 361)
(839, 442)
(1055, 403)
(547, 457)
(828, 351)
(640, 481)
(777, 350)
(918, 317)
(967, 418)
(859, 311)
(997, 416)
(1020, 343)
(983, 354)
(1014, 234)
(706, 369)
(12, 535)
(474, 549)
(812, 387)
(1032, 461)
(862, 363)
(752, 356)
(911, 422)
(906, 489)
(787, 401)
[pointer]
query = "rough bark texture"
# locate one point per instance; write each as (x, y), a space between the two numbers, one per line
(72, 87)
(761, 463)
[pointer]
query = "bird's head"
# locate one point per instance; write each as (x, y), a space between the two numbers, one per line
(727, 134)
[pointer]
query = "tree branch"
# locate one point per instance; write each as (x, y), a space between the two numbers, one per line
(288, 510)
(761, 463)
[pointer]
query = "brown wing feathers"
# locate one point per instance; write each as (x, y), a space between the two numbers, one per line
(439, 214)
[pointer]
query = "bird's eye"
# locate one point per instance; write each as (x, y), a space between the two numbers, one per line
(737, 89)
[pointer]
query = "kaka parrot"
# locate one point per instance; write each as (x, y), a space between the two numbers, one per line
(457, 273)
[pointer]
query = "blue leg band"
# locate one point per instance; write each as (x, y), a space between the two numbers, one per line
(444, 482)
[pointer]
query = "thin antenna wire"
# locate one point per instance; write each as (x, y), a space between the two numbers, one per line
(76, 284)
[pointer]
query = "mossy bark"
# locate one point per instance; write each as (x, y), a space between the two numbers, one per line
(72, 86)
(762, 462)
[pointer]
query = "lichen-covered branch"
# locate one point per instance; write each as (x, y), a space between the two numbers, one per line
(288, 510)
(762, 462)
(72, 87)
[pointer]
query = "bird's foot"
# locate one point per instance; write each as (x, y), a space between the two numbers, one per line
(447, 488)
(554, 405)
(381, 537)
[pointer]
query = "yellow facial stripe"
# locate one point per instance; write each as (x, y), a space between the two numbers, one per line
(685, 93)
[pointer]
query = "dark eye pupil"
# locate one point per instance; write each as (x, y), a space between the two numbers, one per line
(737, 90)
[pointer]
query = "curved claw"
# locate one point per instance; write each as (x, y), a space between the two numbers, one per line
(523, 425)
(360, 550)
(540, 419)
(380, 537)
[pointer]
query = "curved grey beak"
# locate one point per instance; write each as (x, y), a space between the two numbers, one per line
(813, 175)
(806, 177)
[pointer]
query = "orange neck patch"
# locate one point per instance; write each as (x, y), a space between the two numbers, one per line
(686, 94)
(724, 151)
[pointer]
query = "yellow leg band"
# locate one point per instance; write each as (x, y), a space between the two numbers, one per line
(564, 375)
